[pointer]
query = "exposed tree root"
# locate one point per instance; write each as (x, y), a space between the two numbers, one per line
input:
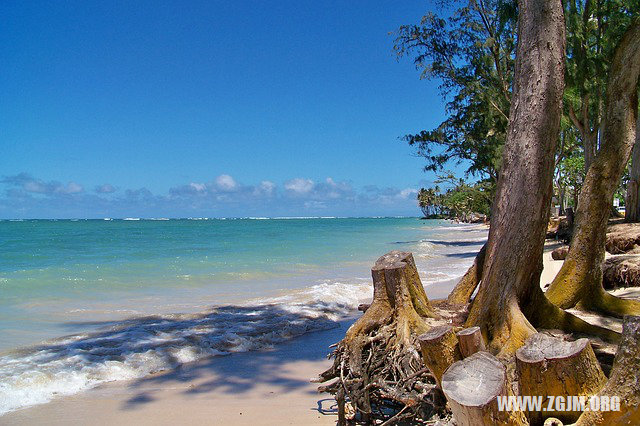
(461, 294)
(545, 314)
(377, 365)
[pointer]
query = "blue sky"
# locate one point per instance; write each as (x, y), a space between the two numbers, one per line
(212, 108)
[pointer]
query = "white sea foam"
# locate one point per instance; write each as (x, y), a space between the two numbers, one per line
(140, 346)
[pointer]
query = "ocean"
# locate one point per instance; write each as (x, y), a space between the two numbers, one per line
(84, 302)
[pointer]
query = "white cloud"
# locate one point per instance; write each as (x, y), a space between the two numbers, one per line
(198, 187)
(71, 188)
(407, 192)
(299, 185)
(267, 187)
(226, 183)
(105, 189)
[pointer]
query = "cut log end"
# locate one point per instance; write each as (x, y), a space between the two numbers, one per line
(541, 346)
(476, 381)
(552, 367)
(472, 386)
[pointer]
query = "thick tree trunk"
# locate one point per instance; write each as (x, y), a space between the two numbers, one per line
(632, 208)
(551, 367)
(381, 346)
(580, 279)
(513, 263)
(624, 381)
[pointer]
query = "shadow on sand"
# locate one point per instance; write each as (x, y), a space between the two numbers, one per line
(252, 346)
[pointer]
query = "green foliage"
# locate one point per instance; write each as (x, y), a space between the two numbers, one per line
(459, 201)
(472, 53)
(571, 173)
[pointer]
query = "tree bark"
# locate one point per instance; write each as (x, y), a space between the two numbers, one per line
(439, 347)
(632, 208)
(513, 263)
(624, 381)
(470, 341)
(549, 366)
(580, 278)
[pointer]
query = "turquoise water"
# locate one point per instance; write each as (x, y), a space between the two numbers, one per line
(283, 277)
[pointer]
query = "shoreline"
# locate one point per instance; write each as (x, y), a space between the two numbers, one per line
(215, 383)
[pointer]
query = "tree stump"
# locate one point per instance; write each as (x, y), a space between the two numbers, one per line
(470, 341)
(439, 348)
(560, 253)
(472, 387)
(378, 361)
(623, 381)
(549, 366)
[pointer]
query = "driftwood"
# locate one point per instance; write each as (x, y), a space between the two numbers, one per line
(624, 381)
(621, 271)
(549, 366)
(439, 348)
(560, 253)
(472, 386)
(623, 238)
(470, 341)
(377, 365)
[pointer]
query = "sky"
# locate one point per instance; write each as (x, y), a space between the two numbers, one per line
(209, 109)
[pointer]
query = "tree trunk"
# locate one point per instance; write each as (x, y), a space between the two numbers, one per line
(472, 387)
(632, 208)
(623, 383)
(551, 367)
(381, 346)
(590, 141)
(513, 263)
(580, 279)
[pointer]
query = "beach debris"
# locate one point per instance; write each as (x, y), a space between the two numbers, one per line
(621, 271)
(560, 253)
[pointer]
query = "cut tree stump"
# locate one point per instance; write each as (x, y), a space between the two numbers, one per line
(472, 387)
(549, 366)
(378, 362)
(621, 271)
(624, 381)
(439, 347)
(470, 341)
